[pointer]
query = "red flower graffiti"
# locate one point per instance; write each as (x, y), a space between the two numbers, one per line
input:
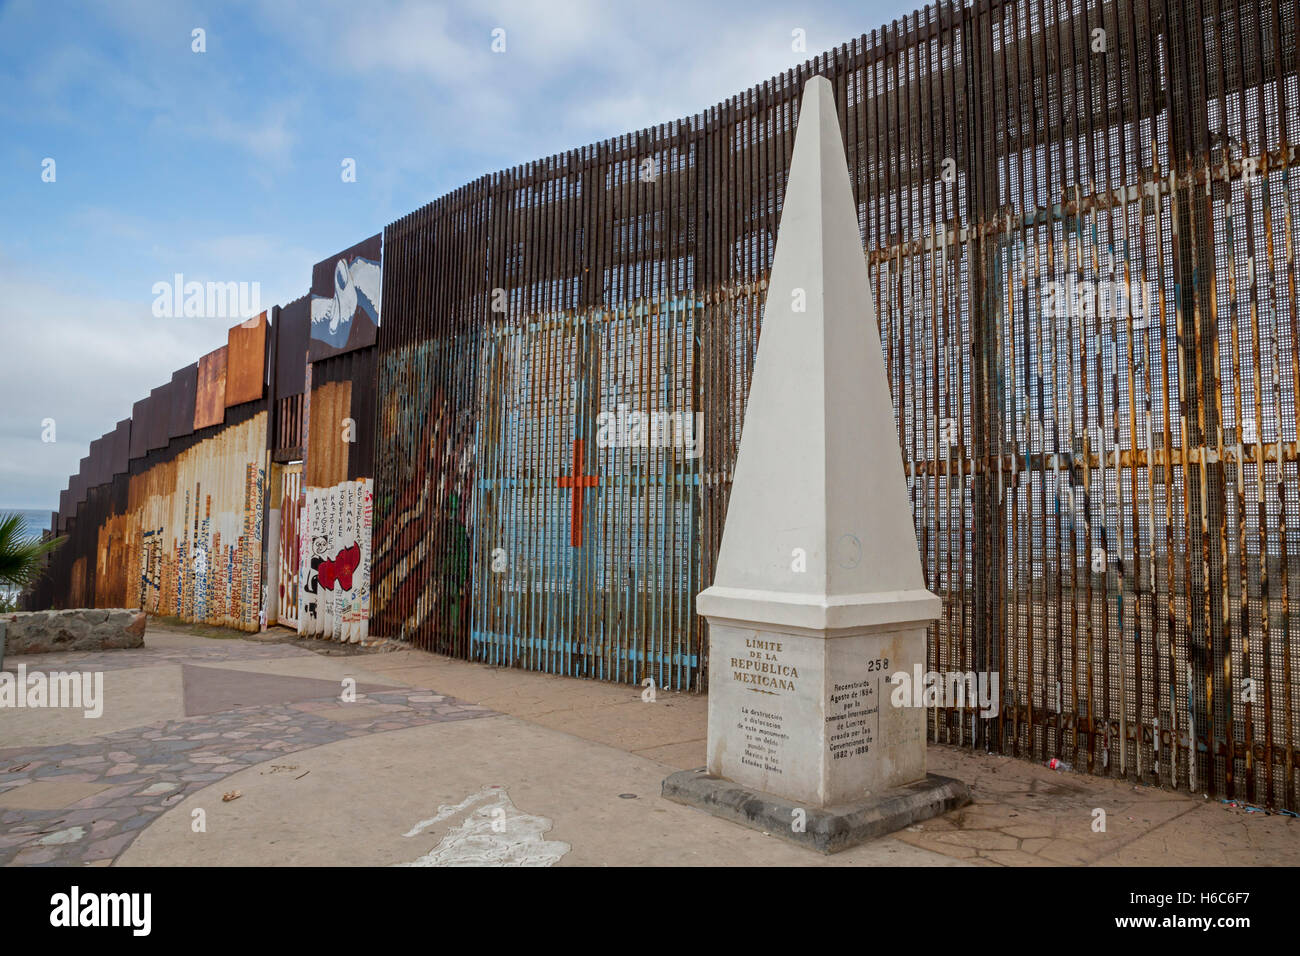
(340, 569)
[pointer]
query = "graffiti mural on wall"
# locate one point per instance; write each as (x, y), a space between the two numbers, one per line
(345, 297)
(334, 561)
(423, 531)
(195, 527)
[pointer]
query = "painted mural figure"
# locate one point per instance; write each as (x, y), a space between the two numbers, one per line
(319, 556)
(357, 285)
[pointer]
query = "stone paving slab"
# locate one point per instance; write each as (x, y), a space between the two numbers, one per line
(1023, 814)
(48, 794)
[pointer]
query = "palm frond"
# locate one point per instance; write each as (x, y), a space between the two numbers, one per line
(22, 557)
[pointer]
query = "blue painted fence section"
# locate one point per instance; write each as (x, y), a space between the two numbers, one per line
(604, 587)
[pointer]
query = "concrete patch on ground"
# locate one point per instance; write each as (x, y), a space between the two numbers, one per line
(339, 808)
(671, 729)
(496, 833)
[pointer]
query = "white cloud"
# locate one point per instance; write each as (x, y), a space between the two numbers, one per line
(83, 359)
(268, 139)
(573, 72)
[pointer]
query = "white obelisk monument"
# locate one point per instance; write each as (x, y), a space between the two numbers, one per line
(818, 596)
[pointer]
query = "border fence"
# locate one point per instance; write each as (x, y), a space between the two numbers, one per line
(1078, 219)
(1078, 224)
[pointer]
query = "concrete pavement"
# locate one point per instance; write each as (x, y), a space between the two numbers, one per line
(445, 762)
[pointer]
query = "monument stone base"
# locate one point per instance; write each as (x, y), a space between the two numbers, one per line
(827, 830)
(809, 717)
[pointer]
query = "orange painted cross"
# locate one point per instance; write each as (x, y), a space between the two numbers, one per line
(578, 481)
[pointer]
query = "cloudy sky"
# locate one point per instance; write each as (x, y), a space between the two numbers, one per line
(225, 165)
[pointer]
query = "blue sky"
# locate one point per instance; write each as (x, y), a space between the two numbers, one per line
(225, 165)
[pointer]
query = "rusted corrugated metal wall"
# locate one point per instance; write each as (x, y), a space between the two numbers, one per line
(287, 374)
(290, 332)
(180, 508)
(166, 512)
(1078, 219)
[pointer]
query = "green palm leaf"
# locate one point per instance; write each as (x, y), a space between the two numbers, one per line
(21, 556)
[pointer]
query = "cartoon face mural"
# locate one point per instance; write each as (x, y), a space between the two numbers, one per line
(317, 546)
(345, 299)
